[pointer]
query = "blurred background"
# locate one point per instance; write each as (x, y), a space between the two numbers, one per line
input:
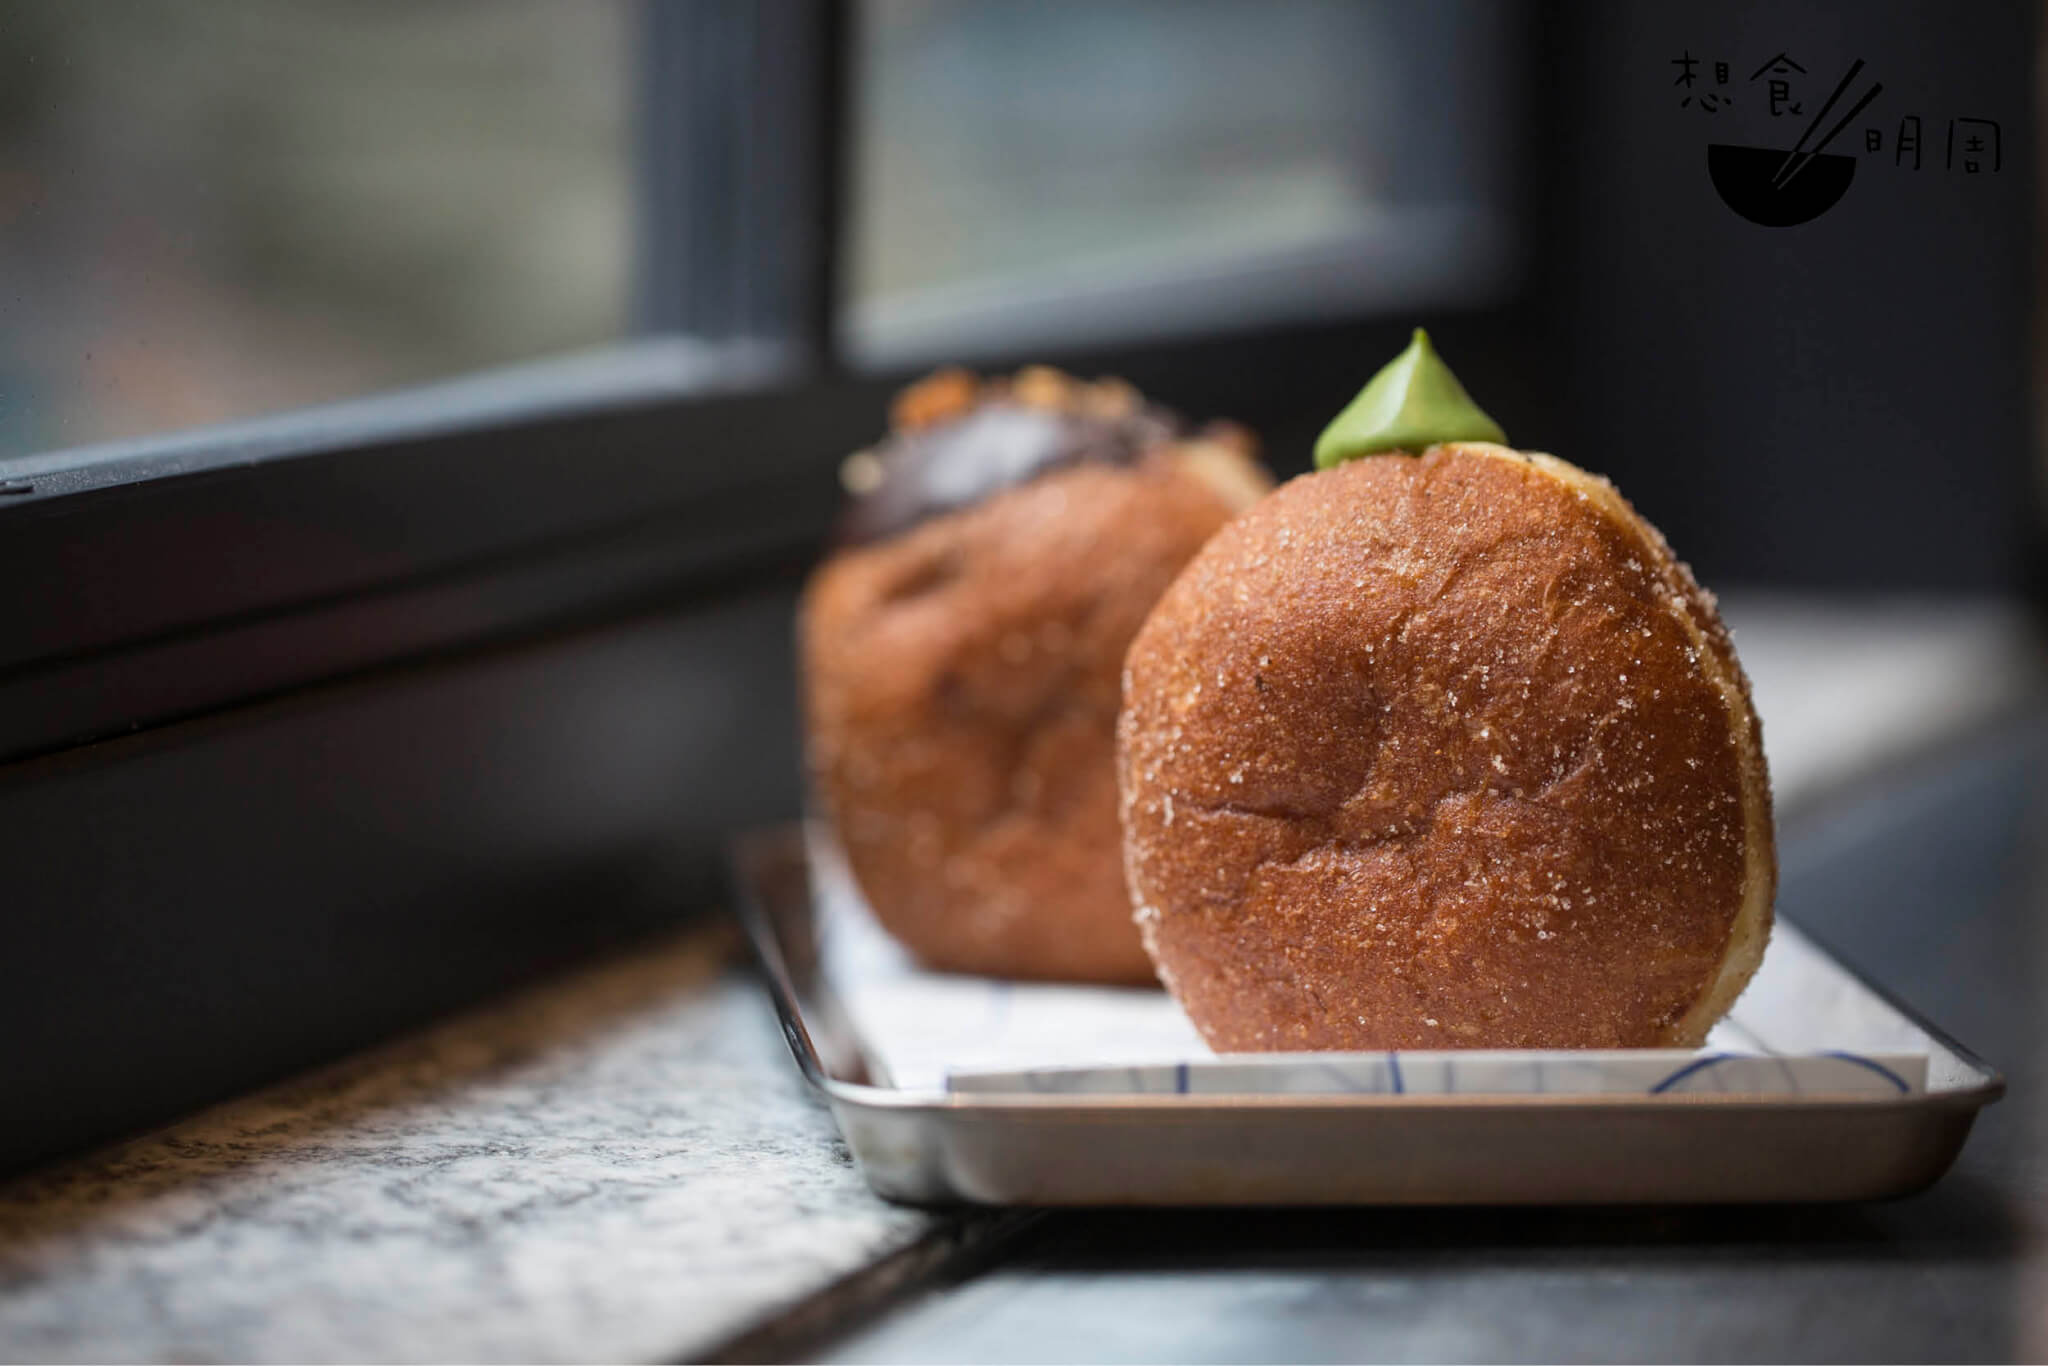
(517, 343)
(211, 209)
(214, 209)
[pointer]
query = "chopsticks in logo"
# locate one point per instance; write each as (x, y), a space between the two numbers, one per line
(1796, 160)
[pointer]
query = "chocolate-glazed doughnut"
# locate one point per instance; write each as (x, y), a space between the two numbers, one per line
(962, 652)
(1444, 751)
(956, 439)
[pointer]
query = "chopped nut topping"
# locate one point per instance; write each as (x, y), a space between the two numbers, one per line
(938, 396)
(861, 473)
(1041, 386)
(1110, 397)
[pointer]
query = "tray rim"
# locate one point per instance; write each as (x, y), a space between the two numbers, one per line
(746, 850)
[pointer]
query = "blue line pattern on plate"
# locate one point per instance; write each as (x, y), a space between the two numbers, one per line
(1427, 1073)
(1698, 1065)
(1875, 1066)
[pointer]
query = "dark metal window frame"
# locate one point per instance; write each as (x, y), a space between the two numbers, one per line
(1439, 257)
(740, 182)
(212, 619)
(148, 581)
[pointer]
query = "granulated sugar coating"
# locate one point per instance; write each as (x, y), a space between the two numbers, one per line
(1444, 752)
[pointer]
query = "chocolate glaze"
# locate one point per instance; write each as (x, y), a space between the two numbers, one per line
(998, 443)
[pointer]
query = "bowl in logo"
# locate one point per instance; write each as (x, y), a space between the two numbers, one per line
(1747, 179)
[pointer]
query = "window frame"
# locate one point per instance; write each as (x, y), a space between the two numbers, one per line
(1439, 258)
(152, 580)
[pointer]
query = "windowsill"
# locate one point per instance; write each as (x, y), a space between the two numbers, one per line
(624, 1164)
(1845, 689)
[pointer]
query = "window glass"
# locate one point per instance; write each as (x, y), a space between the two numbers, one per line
(217, 208)
(1113, 156)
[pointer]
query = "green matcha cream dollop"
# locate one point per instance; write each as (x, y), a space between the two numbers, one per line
(1413, 403)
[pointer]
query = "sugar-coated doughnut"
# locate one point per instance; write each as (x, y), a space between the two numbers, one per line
(1444, 751)
(962, 653)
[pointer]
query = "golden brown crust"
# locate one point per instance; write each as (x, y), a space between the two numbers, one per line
(961, 691)
(1444, 752)
(1752, 929)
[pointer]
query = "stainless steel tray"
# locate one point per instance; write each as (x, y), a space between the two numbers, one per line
(984, 1143)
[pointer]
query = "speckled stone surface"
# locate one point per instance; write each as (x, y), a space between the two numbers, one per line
(621, 1166)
